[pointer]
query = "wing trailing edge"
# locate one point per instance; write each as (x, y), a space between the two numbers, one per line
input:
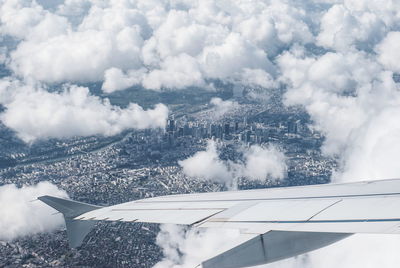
(272, 246)
(278, 223)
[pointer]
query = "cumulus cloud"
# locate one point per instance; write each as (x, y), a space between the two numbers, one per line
(346, 84)
(366, 250)
(21, 19)
(354, 101)
(162, 44)
(177, 72)
(233, 55)
(388, 51)
(257, 78)
(336, 89)
(357, 24)
(187, 248)
(148, 43)
(342, 29)
(35, 113)
(20, 216)
(336, 59)
(207, 165)
(221, 107)
(259, 163)
(79, 57)
(115, 79)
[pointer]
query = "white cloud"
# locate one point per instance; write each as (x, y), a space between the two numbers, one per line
(176, 72)
(259, 163)
(388, 52)
(348, 92)
(81, 41)
(260, 29)
(354, 101)
(115, 79)
(221, 107)
(184, 248)
(20, 216)
(374, 148)
(206, 165)
(336, 90)
(256, 77)
(234, 54)
(75, 57)
(342, 29)
(180, 33)
(357, 23)
(35, 113)
(361, 251)
(18, 18)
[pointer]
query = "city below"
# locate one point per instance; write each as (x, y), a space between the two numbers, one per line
(144, 163)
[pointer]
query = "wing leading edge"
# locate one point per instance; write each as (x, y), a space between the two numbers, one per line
(298, 219)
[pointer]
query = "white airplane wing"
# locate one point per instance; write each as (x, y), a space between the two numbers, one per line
(277, 223)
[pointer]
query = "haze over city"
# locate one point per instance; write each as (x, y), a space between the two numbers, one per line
(106, 102)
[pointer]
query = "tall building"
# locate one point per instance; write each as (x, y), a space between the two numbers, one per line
(187, 130)
(180, 132)
(293, 126)
(171, 124)
(213, 130)
(236, 126)
(248, 136)
(227, 129)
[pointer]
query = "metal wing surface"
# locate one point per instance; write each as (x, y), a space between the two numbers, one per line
(290, 217)
(364, 207)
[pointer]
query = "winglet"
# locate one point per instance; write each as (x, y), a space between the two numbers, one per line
(76, 230)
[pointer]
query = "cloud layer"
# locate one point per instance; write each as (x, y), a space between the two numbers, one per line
(177, 44)
(346, 83)
(20, 216)
(158, 44)
(353, 101)
(335, 58)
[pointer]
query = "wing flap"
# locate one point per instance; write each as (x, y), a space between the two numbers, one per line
(364, 208)
(367, 207)
(337, 227)
(174, 216)
(364, 214)
(283, 210)
(346, 215)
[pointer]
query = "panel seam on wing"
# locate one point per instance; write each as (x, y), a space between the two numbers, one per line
(322, 210)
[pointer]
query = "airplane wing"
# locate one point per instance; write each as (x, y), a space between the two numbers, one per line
(277, 223)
